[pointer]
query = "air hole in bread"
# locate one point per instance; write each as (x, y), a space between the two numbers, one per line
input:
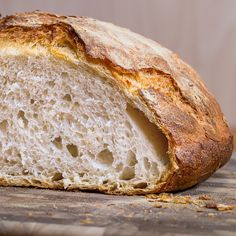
(68, 117)
(9, 151)
(128, 134)
(85, 117)
(105, 157)
(36, 182)
(72, 149)
(25, 172)
(132, 161)
(51, 83)
(58, 159)
(57, 142)
(45, 92)
(105, 181)
(140, 185)
(76, 104)
(81, 174)
(21, 116)
(67, 98)
(57, 176)
(45, 128)
(32, 101)
(52, 102)
(64, 75)
(40, 168)
(3, 126)
(150, 131)
(128, 125)
(128, 173)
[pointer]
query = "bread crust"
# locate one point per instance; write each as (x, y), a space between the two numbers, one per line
(157, 81)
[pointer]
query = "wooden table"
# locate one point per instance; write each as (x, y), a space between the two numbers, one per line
(45, 212)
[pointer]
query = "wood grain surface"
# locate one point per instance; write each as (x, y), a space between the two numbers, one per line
(30, 211)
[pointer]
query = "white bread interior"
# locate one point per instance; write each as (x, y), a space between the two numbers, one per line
(65, 126)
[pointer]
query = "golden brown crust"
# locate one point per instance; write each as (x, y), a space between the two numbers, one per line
(168, 90)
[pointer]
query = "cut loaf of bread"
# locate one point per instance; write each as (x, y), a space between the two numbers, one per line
(91, 106)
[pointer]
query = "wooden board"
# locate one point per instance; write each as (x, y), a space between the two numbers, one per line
(46, 212)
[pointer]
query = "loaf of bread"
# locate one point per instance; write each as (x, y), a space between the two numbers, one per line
(89, 105)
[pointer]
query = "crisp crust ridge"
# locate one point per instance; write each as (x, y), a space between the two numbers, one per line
(169, 91)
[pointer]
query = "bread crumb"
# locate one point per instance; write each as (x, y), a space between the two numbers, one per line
(157, 205)
(205, 197)
(211, 205)
(170, 198)
(220, 207)
(30, 214)
(211, 214)
(202, 201)
(224, 207)
(151, 200)
(199, 210)
(152, 196)
(86, 221)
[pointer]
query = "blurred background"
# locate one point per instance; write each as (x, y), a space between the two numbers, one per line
(202, 32)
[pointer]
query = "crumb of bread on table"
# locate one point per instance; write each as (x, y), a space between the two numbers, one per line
(158, 205)
(220, 207)
(86, 221)
(170, 198)
(205, 197)
(201, 202)
(210, 214)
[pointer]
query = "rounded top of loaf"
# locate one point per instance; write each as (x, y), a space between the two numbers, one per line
(158, 82)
